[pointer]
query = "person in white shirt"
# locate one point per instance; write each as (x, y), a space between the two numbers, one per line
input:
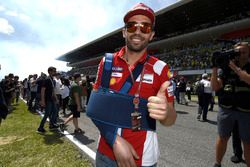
(65, 95)
(205, 97)
(58, 89)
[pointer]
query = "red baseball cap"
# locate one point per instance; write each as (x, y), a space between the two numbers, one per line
(140, 9)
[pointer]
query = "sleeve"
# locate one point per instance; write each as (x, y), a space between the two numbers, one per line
(44, 83)
(99, 75)
(166, 76)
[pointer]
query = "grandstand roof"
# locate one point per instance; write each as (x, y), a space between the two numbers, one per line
(180, 18)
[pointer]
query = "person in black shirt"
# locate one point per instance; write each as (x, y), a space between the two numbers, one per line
(49, 101)
(233, 89)
(3, 107)
(89, 88)
(182, 91)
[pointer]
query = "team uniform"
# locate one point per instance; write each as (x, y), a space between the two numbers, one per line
(155, 74)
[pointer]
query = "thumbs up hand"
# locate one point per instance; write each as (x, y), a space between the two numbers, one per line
(157, 105)
(159, 108)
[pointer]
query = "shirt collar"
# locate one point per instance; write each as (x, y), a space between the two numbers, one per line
(122, 52)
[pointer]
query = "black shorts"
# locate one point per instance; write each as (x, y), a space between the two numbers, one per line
(73, 109)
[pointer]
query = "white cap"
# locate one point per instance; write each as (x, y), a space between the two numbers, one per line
(204, 75)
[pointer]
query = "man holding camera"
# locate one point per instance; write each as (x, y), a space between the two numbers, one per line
(233, 88)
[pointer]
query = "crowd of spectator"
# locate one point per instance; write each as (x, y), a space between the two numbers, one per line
(209, 24)
(197, 56)
(189, 57)
(11, 89)
(88, 71)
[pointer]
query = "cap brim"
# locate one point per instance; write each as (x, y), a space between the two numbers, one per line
(139, 12)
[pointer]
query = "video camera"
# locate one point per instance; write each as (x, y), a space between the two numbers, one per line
(221, 58)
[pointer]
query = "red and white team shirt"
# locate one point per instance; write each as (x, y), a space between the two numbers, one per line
(156, 73)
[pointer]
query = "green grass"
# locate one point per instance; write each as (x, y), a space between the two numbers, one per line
(21, 146)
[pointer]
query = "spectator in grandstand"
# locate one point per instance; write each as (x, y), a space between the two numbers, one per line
(192, 57)
(134, 145)
(233, 86)
(205, 97)
(49, 101)
(74, 104)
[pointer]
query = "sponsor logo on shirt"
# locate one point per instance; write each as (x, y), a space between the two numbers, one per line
(117, 69)
(112, 81)
(116, 74)
(147, 78)
(169, 74)
(170, 90)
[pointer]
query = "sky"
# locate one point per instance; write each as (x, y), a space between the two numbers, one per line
(33, 33)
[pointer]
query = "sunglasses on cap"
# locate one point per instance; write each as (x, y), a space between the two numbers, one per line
(144, 27)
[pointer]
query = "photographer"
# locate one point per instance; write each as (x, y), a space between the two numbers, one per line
(233, 88)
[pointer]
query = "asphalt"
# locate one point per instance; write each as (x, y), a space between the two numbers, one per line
(188, 143)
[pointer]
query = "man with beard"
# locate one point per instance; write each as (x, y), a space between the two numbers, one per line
(131, 143)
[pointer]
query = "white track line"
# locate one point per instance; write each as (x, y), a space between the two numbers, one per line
(83, 147)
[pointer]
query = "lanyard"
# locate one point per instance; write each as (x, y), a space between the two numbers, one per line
(136, 115)
(136, 99)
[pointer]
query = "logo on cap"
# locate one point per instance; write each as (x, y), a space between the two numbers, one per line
(140, 9)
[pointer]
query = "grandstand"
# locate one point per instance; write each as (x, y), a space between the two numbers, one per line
(187, 32)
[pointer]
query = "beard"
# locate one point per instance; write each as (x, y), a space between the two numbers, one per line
(136, 47)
